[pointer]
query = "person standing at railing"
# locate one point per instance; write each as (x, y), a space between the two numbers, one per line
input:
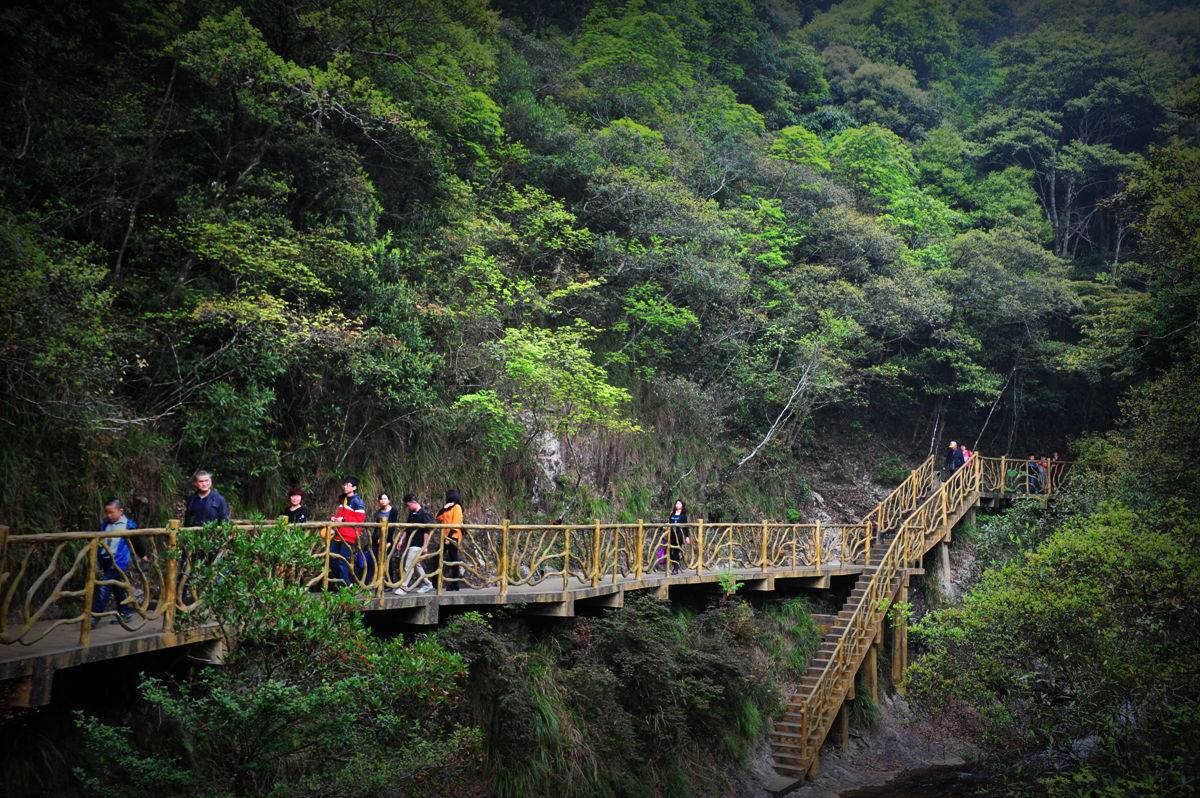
(414, 544)
(1035, 475)
(967, 454)
(113, 557)
(345, 538)
(296, 513)
(452, 514)
(678, 535)
(954, 459)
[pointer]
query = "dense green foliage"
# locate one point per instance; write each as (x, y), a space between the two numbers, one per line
(641, 701)
(308, 701)
(282, 240)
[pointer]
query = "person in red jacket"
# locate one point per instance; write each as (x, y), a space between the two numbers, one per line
(343, 546)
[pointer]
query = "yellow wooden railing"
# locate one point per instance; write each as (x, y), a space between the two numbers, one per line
(48, 581)
(819, 707)
(920, 529)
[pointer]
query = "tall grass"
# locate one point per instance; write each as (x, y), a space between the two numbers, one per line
(791, 637)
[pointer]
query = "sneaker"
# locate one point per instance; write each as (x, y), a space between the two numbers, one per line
(400, 591)
(425, 589)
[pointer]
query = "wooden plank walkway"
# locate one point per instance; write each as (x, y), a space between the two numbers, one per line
(58, 646)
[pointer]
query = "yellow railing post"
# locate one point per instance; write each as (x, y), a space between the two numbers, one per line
(616, 558)
(867, 534)
(596, 554)
(795, 547)
(763, 548)
(169, 594)
(641, 547)
(441, 569)
(503, 568)
(327, 534)
(381, 560)
(699, 548)
(566, 556)
(817, 544)
(89, 593)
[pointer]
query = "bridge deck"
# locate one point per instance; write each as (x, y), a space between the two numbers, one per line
(59, 647)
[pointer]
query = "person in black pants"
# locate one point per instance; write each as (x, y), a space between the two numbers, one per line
(678, 534)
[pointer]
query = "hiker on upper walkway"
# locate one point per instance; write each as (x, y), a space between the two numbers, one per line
(954, 459)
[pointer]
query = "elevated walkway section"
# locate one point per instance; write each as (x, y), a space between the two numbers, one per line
(48, 582)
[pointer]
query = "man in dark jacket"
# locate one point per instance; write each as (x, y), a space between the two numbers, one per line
(954, 459)
(205, 505)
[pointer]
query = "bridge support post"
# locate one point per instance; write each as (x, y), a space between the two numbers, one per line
(899, 638)
(844, 725)
(871, 664)
(814, 769)
(28, 692)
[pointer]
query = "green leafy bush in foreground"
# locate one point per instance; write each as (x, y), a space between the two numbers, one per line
(308, 702)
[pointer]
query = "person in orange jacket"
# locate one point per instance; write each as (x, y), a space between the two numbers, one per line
(451, 514)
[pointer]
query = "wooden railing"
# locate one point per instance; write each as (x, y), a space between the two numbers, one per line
(1011, 476)
(820, 707)
(48, 581)
(51, 580)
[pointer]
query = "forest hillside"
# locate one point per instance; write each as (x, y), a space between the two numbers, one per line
(578, 259)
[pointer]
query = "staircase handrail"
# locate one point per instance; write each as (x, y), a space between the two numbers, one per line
(815, 715)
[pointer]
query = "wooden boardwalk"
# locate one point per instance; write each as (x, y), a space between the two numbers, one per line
(47, 584)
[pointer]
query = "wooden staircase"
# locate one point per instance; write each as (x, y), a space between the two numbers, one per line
(913, 518)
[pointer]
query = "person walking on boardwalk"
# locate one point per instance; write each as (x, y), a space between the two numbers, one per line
(451, 514)
(113, 556)
(385, 513)
(678, 534)
(345, 538)
(205, 506)
(296, 513)
(413, 545)
(954, 459)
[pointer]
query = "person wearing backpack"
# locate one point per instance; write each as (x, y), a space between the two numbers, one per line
(113, 556)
